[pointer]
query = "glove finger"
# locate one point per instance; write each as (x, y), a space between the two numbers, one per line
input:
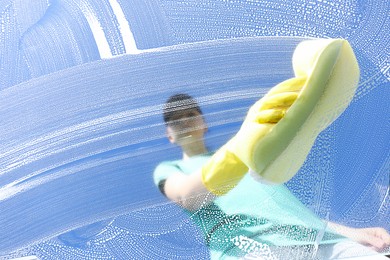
(289, 85)
(270, 116)
(281, 100)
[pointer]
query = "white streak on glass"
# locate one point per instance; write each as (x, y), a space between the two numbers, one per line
(124, 27)
(97, 31)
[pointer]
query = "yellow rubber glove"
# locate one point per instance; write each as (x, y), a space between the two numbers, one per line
(223, 171)
(281, 128)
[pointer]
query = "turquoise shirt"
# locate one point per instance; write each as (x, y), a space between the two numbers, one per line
(252, 211)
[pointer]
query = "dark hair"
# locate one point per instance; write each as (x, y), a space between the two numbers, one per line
(178, 103)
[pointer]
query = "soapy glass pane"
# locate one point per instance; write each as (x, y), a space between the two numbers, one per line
(82, 88)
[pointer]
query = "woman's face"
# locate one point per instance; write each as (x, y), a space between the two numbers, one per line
(186, 126)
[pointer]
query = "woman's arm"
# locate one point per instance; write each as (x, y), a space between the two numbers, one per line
(187, 190)
(376, 238)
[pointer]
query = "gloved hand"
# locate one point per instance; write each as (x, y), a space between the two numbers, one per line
(281, 127)
(226, 168)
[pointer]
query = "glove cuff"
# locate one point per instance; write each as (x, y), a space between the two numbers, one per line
(223, 171)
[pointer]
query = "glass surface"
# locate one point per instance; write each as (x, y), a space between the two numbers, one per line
(81, 94)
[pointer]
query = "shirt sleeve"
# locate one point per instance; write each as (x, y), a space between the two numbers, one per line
(163, 171)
